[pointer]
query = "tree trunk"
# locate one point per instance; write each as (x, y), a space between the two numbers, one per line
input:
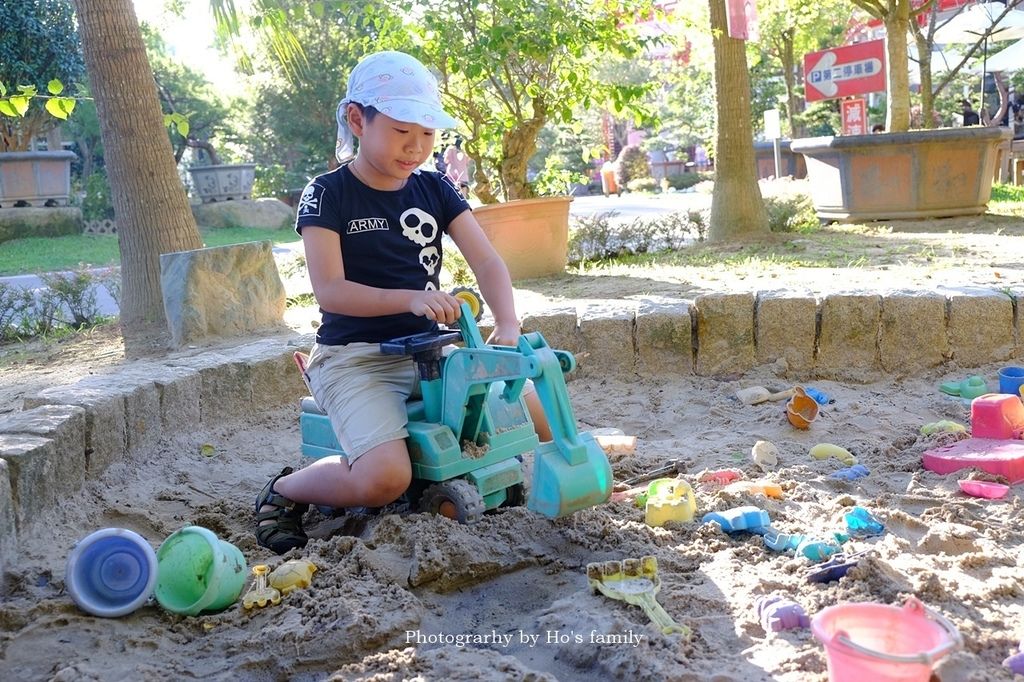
(518, 145)
(897, 24)
(924, 54)
(788, 59)
(737, 209)
(152, 211)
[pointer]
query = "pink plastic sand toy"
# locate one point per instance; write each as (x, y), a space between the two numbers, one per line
(997, 424)
(990, 491)
(867, 641)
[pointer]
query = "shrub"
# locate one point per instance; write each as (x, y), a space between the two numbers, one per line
(642, 185)
(74, 294)
(598, 238)
(593, 237)
(455, 271)
(67, 302)
(791, 214)
(687, 180)
(789, 205)
(97, 204)
(632, 164)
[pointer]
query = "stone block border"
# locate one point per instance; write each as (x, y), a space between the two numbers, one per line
(68, 434)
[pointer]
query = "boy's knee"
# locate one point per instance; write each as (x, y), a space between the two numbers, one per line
(387, 485)
(386, 477)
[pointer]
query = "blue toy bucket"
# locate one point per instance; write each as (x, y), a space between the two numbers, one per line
(111, 572)
(1011, 379)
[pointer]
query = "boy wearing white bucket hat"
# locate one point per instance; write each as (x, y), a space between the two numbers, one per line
(372, 232)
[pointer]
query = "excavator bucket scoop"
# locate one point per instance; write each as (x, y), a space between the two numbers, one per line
(571, 472)
(560, 488)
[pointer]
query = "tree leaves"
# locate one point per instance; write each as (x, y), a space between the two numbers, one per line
(16, 106)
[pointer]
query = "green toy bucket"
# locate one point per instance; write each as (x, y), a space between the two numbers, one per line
(197, 571)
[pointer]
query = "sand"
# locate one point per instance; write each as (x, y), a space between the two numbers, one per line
(412, 596)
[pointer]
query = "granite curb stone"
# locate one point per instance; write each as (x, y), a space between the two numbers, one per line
(725, 333)
(785, 329)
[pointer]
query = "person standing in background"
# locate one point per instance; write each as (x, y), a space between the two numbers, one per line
(457, 166)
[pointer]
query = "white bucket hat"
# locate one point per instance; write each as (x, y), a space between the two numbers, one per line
(396, 85)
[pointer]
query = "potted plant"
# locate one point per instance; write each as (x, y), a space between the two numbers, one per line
(38, 42)
(507, 69)
(901, 173)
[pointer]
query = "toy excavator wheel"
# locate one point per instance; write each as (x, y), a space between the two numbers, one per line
(457, 499)
(470, 296)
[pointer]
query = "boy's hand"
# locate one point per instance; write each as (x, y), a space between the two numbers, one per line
(506, 334)
(439, 306)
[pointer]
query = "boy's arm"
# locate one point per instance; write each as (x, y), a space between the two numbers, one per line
(491, 275)
(336, 294)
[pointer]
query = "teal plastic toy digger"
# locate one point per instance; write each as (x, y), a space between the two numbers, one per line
(470, 430)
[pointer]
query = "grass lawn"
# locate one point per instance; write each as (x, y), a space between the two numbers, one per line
(49, 254)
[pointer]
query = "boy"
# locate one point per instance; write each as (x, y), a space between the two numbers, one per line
(372, 231)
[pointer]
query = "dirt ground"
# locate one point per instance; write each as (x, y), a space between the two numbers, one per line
(411, 596)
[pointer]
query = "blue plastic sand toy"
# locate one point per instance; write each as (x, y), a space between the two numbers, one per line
(851, 473)
(862, 524)
(835, 568)
(748, 518)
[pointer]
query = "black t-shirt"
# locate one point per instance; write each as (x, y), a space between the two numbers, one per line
(389, 240)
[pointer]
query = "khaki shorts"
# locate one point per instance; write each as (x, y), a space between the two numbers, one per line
(364, 393)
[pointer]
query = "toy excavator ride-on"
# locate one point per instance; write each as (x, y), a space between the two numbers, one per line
(469, 432)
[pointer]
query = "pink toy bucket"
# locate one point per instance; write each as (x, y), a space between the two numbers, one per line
(868, 641)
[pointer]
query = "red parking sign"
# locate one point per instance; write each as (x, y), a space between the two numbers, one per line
(843, 71)
(855, 116)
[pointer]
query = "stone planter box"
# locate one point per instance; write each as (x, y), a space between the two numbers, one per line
(917, 174)
(35, 179)
(225, 182)
(789, 163)
(531, 235)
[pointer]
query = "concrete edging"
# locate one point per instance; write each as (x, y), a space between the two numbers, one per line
(68, 434)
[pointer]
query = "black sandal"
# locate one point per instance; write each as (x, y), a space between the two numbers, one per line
(287, 532)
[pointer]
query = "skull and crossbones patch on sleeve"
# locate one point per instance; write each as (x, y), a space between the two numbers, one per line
(311, 201)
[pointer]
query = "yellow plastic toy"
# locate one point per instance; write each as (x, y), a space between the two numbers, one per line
(260, 594)
(826, 450)
(292, 574)
(634, 581)
(669, 500)
(766, 488)
(943, 426)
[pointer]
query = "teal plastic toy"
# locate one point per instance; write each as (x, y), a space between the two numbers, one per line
(470, 430)
(968, 389)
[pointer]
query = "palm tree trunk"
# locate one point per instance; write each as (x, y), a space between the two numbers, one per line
(152, 211)
(737, 209)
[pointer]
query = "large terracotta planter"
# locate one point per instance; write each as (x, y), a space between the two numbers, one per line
(35, 179)
(918, 174)
(224, 182)
(531, 235)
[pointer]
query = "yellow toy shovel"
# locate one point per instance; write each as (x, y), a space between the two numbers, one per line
(634, 581)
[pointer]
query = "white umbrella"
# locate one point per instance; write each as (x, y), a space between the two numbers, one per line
(982, 19)
(972, 23)
(1009, 59)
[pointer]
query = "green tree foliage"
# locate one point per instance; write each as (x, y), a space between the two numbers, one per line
(789, 29)
(213, 120)
(39, 51)
(508, 67)
(298, 101)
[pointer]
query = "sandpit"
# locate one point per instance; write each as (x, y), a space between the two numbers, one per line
(403, 596)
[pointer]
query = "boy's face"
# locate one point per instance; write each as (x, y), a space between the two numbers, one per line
(393, 149)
